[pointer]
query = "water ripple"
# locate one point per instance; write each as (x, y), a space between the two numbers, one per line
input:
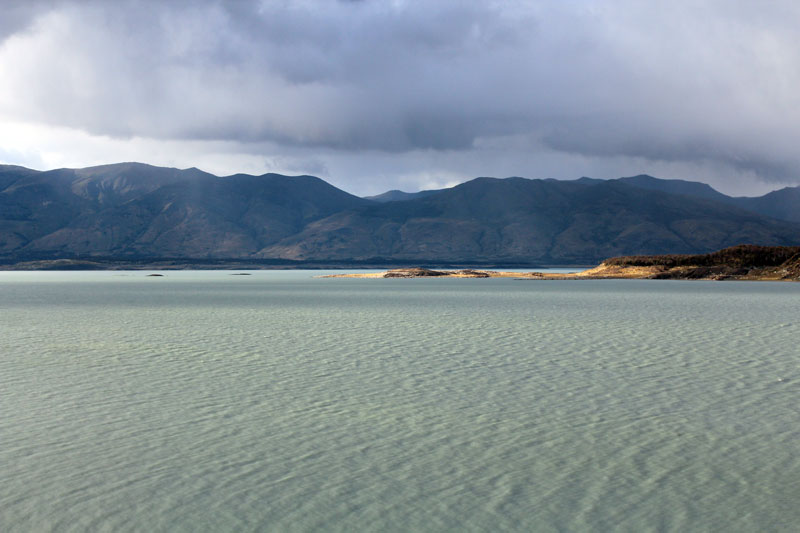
(276, 401)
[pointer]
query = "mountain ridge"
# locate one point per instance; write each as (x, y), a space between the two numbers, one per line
(131, 210)
(782, 204)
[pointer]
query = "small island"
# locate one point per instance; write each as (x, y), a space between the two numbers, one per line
(743, 262)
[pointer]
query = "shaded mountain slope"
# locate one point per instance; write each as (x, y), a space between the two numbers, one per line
(532, 220)
(783, 204)
(687, 188)
(131, 210)
(400, 196)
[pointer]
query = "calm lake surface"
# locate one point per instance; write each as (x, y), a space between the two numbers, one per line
(202, 401)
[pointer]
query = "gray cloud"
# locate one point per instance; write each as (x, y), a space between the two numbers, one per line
(712, 83)
(19, 14)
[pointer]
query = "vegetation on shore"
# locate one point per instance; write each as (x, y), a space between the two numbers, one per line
(743, 262)
(738, 262)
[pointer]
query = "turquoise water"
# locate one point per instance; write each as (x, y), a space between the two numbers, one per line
(201, 401)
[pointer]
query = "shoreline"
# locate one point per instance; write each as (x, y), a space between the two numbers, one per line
(742, 262)
(602, 271)
(599, 272)
(241, 264)
(739, 263)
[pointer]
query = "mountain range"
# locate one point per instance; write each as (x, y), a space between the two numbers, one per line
(135, 211)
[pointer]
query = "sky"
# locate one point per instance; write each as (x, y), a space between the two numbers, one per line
(401, 94)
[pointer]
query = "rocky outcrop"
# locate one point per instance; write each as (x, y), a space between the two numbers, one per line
(744, 262)
(737, 262)
(413, 273)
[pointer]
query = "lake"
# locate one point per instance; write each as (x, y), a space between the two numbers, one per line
(204, 401)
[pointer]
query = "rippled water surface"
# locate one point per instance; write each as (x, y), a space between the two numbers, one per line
(202, 401)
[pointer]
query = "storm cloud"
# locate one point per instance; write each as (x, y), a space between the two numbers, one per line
(706, 88)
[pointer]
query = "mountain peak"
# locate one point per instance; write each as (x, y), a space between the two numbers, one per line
(136, 210)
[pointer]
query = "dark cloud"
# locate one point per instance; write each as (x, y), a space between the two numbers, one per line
(19, 14)
(678, 82)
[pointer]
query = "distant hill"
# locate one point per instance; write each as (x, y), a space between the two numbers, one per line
(521, 220)
(132, 210)
(400, 196)
(688, 188)
(137, 210)
(783, 204)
